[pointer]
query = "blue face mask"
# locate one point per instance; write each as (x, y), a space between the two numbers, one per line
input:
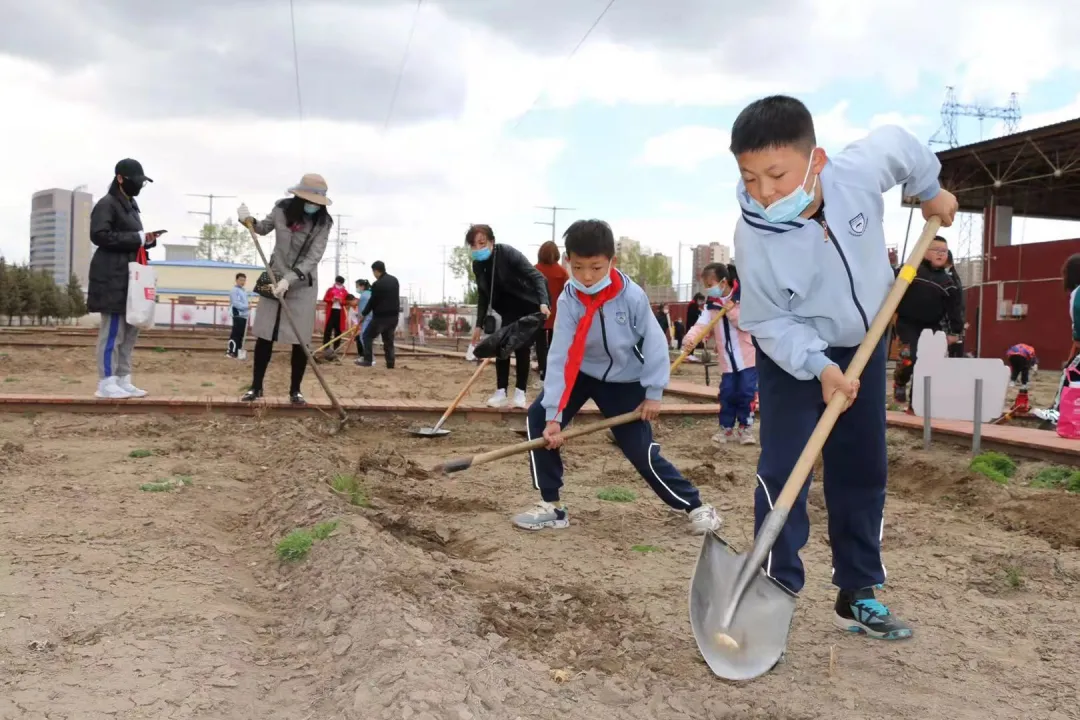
(791, 205)
(311, 208)
(715, 292)
(480, 255)
(595, 287)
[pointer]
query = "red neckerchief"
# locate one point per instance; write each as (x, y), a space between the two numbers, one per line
(576, 354)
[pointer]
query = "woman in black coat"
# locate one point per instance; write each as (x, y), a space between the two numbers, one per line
(117, 231)
(509, 287)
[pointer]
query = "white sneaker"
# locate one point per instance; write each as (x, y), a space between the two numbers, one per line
(110, 389)
(125, 384)
(704, 519)
(519, 399)
(723, 437)
(746, 436)
(498, 400)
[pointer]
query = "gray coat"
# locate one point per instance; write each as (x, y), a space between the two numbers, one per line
(303, 292)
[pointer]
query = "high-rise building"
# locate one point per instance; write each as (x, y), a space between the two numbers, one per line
(60, 234)
(705, 254)
(626, 246)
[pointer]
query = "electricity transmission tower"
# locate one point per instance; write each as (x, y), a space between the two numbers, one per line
(948, 134)
(339, 244)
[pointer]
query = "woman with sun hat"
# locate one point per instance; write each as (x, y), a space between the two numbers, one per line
(301, 227)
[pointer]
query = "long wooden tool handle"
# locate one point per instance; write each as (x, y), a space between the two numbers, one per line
(250, 225)
(342, 336)
(461, 395)
(805, 463)
(708, 329)
(537, 444)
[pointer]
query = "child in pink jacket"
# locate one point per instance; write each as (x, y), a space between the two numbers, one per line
(738, 384)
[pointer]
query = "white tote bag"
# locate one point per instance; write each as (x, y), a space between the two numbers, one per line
(142, 292)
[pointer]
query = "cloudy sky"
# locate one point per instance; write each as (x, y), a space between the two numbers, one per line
(491, 117)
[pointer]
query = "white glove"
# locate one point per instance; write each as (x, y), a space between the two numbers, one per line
(469, 353)
(281, 288)
(242, 213)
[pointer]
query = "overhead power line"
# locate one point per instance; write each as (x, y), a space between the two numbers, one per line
(566, 60)
(401, 69)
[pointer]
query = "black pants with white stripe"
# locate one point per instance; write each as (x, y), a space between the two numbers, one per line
(856, 468)
(635, 440)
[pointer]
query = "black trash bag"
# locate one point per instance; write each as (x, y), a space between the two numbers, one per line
(503, 342)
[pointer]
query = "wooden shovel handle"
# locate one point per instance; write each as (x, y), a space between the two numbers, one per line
(540, 443)
(461, 395)
(805, 463)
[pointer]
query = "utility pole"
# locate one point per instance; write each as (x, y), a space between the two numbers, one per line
(209, 218)
(338, 244)
(554, 215)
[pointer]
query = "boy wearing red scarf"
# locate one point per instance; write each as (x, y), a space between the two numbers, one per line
(607, 347)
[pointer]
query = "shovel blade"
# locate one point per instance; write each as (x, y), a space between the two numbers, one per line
(762, 617)
(429, 432)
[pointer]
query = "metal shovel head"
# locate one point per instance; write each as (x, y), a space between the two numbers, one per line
(762, 618)
(429, 432)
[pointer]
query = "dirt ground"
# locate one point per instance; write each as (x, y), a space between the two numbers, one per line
(424, 603)
(185, 373)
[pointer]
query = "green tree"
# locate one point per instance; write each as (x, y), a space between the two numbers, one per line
(438, 323)
(31, 299)
(226, 242)
(48, 296)
(645, 267)
(460, 264)
(654, 271)
(11, 300)
(4, 285)
(76, 299)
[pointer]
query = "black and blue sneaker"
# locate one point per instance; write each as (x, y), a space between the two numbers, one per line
(858, 611)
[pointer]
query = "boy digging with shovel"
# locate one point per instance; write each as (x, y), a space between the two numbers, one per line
(811, 250)
(607, 347)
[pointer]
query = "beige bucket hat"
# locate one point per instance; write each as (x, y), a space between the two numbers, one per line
(312, 188)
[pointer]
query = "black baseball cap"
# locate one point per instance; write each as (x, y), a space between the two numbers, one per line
(131, 169)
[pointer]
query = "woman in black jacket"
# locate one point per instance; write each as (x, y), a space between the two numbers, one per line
(508, 288)
(116, 229)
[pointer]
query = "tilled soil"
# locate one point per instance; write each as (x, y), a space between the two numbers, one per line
(425, 603)
(72, 371)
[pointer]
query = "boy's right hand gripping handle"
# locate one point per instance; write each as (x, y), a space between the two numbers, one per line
(828, 419)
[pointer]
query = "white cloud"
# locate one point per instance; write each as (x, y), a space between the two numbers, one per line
(685, 148)
(408, 191)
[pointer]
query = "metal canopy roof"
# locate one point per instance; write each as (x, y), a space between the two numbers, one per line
(1036, 172)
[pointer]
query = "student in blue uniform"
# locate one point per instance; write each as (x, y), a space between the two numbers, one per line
(814, 269)
(607, 347)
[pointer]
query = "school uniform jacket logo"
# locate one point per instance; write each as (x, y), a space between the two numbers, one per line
(620, 318)
(857, 224)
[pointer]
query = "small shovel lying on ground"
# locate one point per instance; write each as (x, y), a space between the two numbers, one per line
(677, 362)
(465, 463)
(740, 616)
(438, 430)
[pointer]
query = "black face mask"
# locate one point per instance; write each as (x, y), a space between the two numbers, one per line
(130, 187)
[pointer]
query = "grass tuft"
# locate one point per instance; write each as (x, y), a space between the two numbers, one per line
(645, 549)
(616, 494)
(1058, 477)
(295, 546)
(996, 466)
(350, 485)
